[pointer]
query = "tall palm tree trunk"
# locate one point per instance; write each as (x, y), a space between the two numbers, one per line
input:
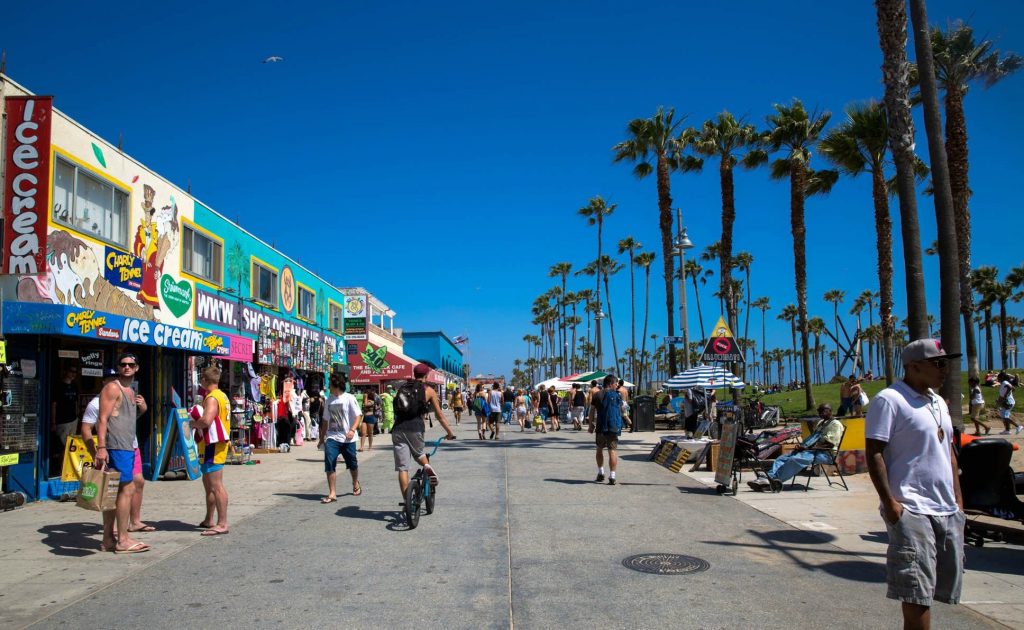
(949, 257)
(725, 249)
(632, 317)
(611, 321)
(990, 355)
(883, 245)
(647, 311)
(700, 316)
(956, 152)
(668, 260)
(1002, 334)
(797, 184)
(892, 38)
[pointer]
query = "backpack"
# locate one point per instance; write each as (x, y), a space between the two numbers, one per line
(481, 406)
(610, 417)
(410, 401)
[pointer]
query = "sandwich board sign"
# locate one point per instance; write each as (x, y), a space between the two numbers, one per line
(721, 346)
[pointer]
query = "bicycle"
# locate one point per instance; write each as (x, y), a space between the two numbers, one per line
(419, 490)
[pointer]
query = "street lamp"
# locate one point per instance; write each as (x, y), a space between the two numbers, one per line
(681, 243)
(598, 316)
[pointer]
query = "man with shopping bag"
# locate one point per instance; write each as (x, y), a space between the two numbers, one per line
(120, 407)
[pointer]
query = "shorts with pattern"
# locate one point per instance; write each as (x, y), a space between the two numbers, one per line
(408, 448)
(607, 440)
(925, 559)
(214, 456)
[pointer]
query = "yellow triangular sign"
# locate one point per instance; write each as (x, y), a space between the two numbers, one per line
(721, 346)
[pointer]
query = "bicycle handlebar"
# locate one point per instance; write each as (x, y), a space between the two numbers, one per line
(437, 445)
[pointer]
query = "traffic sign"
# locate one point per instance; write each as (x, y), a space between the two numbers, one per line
(721, 346)
(673, 340)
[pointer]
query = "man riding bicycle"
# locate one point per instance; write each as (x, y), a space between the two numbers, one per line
(407, 434)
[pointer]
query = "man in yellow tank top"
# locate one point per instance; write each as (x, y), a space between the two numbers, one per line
(213, 456)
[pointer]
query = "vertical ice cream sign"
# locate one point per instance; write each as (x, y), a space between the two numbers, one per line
(26, 184)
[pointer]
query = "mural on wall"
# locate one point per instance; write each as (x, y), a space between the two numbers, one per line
(76, 278)
(238, 267)
(287, 289)
(155, 238)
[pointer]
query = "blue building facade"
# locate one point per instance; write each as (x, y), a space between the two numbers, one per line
(439, 349)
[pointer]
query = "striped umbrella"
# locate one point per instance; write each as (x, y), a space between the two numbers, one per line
(706, 377)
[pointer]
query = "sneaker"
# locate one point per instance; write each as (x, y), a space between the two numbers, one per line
(1004, 433)
(600, 477)
(755, 486)
(431, 474)
(1019, 429)
(611, 481)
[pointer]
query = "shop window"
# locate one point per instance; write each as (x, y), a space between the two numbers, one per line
(307, 303)
(88, 204)
(335, 318)
(201, 255)
(264, 284)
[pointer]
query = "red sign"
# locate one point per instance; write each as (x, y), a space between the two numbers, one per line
(373, 364)
(27, 184)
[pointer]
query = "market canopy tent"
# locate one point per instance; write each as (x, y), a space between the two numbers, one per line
(705, 377)
(586, 377)
(560, 385)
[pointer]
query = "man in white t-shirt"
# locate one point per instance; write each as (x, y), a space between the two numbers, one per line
(914, 470)
(339, 431)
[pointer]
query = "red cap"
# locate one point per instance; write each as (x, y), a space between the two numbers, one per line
(421, 369)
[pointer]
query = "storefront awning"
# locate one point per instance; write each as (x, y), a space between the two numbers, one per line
(28, 318)
(376, 364)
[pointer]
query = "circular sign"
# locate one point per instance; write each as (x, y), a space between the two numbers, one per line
(721, 345)
(287, 289)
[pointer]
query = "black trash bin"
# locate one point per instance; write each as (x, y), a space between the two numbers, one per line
(643, 413)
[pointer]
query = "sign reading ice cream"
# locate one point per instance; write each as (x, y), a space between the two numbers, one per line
(26, 184)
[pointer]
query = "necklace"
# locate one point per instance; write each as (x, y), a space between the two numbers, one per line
(936, 412)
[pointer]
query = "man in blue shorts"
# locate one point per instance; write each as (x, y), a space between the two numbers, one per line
(120, 407)
(339, 425)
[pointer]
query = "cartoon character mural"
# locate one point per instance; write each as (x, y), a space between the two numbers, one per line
(155, 237)
(75, 277)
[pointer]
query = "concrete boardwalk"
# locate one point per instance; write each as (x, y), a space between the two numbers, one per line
(522, 537)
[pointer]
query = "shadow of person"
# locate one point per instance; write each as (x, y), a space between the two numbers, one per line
(354, 511)
(72, 539)
(572, 482)
(173, 526)
(305, 496)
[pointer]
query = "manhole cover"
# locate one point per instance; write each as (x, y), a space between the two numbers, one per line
(665, 563)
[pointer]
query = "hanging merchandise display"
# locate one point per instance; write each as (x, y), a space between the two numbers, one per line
(295, 351)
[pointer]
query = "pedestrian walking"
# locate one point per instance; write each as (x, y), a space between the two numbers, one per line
(120, 409)
(214, 428)
(606, 424)
(340, 420)
(456, 405)
(554, 401)
(977, 406)
(495, 400)
(369, 422)
(913, 467)
(521, 410)
(1005, 402)
(480, 407)
(387, 404)
(577, 404)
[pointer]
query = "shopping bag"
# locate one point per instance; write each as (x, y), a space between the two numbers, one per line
(98, 490)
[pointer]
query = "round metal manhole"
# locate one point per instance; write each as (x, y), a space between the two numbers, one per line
(665, 563)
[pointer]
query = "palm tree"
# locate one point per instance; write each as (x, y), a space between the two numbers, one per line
(609, 267)
(629, 244)
(794, 131)
(816, 326)
(561, 270)
(959, 61)
(655, 139)
(571, 299)
(950, 295)
(835, 297)
(696, 272)
(789, 314)
(743, 261)
(710, 254)
(982, 280)
(644, 260)
(859, 144)
(586, 296)
(892, 37)
(763, 305)
(595, 212)
(724, 137)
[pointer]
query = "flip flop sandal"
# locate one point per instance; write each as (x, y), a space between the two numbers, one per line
(204, 526)
(136, 548)
(144, 528)
(326, 500)
(214, 532)
(357, 490)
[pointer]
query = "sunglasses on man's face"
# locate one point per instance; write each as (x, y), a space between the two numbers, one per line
(127, 364)
(939, 364)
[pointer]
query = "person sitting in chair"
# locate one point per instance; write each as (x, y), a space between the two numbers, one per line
(818, 448)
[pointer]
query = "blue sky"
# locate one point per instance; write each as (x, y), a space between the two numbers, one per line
(436, 153)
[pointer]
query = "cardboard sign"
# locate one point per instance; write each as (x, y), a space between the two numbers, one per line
(721, 346)
(726, 453)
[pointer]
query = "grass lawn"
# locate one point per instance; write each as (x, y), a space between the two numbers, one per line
(793, 404)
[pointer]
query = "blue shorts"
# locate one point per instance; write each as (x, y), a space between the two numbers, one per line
(209, 467)
(333, 448)
(371, 419)
(123, 462)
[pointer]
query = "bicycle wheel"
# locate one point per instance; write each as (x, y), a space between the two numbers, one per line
(413, 495)
(429, 491)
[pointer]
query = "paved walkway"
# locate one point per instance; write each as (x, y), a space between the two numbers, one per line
(521, 537)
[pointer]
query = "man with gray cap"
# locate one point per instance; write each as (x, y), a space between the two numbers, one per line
(914, 470)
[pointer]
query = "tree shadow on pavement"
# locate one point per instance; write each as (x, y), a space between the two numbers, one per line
(637, 457)
(794, 544)
(698, 490)
(72, 539)
(995, 557)
(572, 482)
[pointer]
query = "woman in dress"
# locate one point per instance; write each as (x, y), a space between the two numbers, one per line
(554, 402)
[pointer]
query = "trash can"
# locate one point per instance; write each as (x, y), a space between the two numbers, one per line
(643, 413)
